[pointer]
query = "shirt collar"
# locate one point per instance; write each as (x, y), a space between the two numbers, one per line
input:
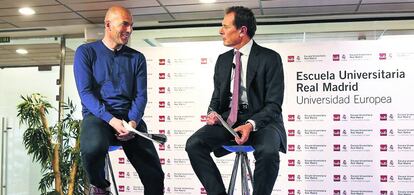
(245, 50)
(119, 48)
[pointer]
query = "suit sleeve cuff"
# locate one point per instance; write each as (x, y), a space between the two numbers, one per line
(253, 124)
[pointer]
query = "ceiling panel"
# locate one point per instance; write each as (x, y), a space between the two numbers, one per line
(301, 3)
(39, 10)
(387, 7)
(42, 17)
(154, 17)
(86, 1)
(189, 2)
(26, 3)
(39, 54)
(199, 15)
(94, 13)
(51, 22)
(319, 10)
(6, 26)
(107, 4)
(210, 7)
(387, 1)
(147, 10)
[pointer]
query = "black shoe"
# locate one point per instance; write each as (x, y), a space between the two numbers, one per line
(98, 191)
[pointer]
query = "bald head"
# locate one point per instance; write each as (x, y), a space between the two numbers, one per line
(116, 12)
(118, 26)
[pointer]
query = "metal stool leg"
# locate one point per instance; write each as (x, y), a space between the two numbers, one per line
(243, 176)
(234, 174)
(249, 170)
(245, 170)
(111, 171)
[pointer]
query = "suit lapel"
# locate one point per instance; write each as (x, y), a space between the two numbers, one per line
(227, 68)
(252, 64)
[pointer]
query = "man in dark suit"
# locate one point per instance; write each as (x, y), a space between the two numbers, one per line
(259, 112)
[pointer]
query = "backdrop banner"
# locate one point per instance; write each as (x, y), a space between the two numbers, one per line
(348, 113)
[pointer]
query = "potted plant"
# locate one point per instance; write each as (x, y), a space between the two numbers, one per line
(55, 147)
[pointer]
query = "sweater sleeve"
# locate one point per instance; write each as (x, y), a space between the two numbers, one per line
(140, 101)
(82, 69)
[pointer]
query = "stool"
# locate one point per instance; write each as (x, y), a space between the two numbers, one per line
(241, 153)
(109, 169)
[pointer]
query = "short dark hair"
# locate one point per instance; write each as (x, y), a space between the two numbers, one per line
(243, 16)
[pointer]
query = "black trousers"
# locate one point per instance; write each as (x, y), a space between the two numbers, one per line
(97, 135)
(209, 138)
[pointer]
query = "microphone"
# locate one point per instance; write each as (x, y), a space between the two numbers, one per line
(233, 65)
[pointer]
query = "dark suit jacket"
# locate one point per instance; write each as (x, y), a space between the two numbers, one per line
(264, 85)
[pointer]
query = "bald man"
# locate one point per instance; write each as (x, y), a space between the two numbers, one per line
(111, 79)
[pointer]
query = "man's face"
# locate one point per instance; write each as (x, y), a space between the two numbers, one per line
(229, 33)
(120, 28)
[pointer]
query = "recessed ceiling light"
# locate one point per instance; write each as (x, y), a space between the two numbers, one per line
(26, 11)
(21, 51)
(207, 1)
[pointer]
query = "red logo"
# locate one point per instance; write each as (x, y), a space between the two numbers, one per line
(161, 118)
(336, 132)
(335, 57)
(291, 192)
(203, 118)
(291, 58)
(121, 160)
(291, 147)
(337, 147)
(203, 191)
(162, 161)
(203, 60)
(161, 61)
(121, 174)
(337, 192)
(382, 56)
(161, 104)
(161, 147)
(291, 117)
(291, 132)
(383, 117)
(162, 131)
(383, 163)
(161, 89)
(161, 76)
(383, 132)
(383, 192)
(121, 188)
(291, 162)
(336, 178)
(383, 147)
(291, 177)
(336, 117)
(336, 163)
(384, 178)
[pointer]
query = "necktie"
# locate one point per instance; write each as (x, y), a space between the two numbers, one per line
(235, 96)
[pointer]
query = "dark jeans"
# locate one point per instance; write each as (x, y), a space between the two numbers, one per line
(97, 135)
(209, 138)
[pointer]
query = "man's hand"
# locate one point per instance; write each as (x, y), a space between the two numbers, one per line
(133, 124)
(122, 134)
(212, 118)
(244, 130)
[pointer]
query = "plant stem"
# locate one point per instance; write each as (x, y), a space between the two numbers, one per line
(74, 169)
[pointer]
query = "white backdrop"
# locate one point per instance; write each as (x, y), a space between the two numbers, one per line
(347, 112)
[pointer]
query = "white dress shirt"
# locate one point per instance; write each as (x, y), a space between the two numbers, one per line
(245, 52)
